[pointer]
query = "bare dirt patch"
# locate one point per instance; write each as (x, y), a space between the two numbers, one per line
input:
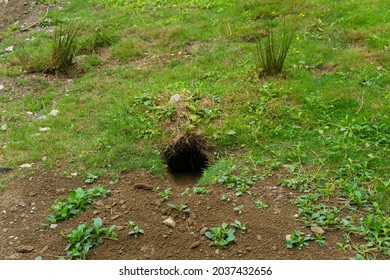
(25, 203)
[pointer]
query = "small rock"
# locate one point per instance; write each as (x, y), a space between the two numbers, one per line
(29, 113)
(4, 127)
(120, 228)
(120, 251)
(54, 113)
(115, 217)
(24, 249)
(165, 236)
(175, 98)
(5, 230)
(122, 202)
(143, 187)
(190, 222)
(123, 207)
(164, 211)
(203, 230)
(195, 245)
(249, 248)
(15, 256)
(9, 49)
(44, 129)
(170, 222)
(4, 212)
(44, 250)
(53, 226)
(296, 216)
(217, 251)
(98, 203)
(1, 87)
(13, 209)
(26, 165)
(288, 237)
(317, 230)
(95, 212)
(258, 237)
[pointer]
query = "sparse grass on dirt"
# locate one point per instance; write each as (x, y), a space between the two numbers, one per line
(318, 133)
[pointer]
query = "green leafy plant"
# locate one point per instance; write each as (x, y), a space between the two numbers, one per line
(272, 50)
(186, 192)
(77, 201)
(225, 197)
(90, 178)
(297, 240)
(200, 190)
(239, 209)
(165, 194)
(221, 236)
(182, 208)
(241, 184)
(134, 229)
(238, 225)
(82, 239)
(261, 205)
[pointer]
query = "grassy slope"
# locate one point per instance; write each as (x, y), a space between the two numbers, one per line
(327, 118)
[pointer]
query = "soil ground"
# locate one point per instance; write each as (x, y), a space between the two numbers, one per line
(25, 203)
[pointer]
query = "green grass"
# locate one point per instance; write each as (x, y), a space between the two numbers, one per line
(329, 112)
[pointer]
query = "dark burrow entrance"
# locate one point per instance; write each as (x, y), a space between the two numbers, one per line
(186, 159)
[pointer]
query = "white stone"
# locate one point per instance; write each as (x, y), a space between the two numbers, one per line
(9, 49)
(44, 129)
(170, 222)
(175, 98)
(53, 226)
(1, 87)
(4, 127)
(26, 165)
(54, 113)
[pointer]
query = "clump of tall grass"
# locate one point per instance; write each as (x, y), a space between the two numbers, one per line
(272, 49)
(57, 56)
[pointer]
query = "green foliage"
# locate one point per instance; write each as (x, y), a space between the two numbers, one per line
(238, 225)
(272, 51)
(182, 208)
(77, 201)
(297, 240)
(221, 236)
(64, 47)
(165, 194)
(134, 229)
(241, 183)
(200, 190)
(90, 178)
(82, 239)
(239, 209)
(260, 204)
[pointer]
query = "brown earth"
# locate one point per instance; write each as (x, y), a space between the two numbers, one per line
(25, 203)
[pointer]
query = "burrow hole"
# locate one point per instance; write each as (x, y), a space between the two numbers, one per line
(187, 157)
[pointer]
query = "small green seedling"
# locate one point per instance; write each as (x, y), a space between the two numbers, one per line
(200, 190)
(261, 205)
(239, 209)
(320, 239)
(221, 236)
(225, 197)
(182, 208)
(186, 192)
(90, 178)
(296, 239)
(165, 194)
(134, 229)
(238, 225)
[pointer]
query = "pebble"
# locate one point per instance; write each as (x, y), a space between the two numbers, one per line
(1, 87)
(123, 207)
(170, 222)
(120, 228)
(44, 249)
(24, 249)
(122, 202)
(296, 216)
(258, 237)
(53, 226)
(13, 209)
(15, 256)
(288, 237)
(95, 212)
(318, 230)
(44, 129)
(26, 165)
(143, 187)
(4, 127)
(9, 49)
(54, 113)
(190, 222)
(175, 98)
(203, 230)
(115, 217)
(195, 245)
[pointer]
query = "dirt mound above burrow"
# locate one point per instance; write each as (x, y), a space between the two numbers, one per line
(25, 203)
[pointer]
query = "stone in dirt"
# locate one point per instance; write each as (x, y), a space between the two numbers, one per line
(9, 49)
(26, 165)
(24, 249)
(170, 222)
(53, 226)
(288, 237)
(141, 186)
(4, 127)
(115, 217)
(1, 87)
(195, 245)
(54, 113)
(317, 230)
(175, 98)
(203, 230)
